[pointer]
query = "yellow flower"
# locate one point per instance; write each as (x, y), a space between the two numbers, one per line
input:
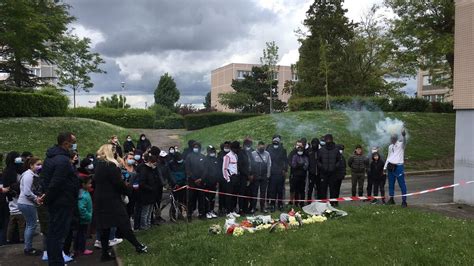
(238, 231)
(292, 219)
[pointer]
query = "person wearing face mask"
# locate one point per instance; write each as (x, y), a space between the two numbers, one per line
(329, 159)
(195, 174)
(341, 173)
(128, 175)
(143, 143)
(61, 191)
(225, 148)
(86, 168)
(188, 149)
(230, 171)
(30, 196)
(245, 173)
(118, 149)
(261, 168)
(299, 167)
(147, 189)
(128, 145)
(212, 176)
(313, 173)
(378, 176)
(293, 152)
(279, 168)
(359, 164)
(178, 179)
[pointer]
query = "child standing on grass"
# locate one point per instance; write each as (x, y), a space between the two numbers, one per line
(359, 165)
(85, 216)
(378, 176)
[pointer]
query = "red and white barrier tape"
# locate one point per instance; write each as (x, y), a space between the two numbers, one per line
(326, 200)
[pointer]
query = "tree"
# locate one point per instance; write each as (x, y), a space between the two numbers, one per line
(75, 62)
(29, 32)
(252, 94)
(207, 101)
(327, 25)
(166, 93)
(116, 102)
(423, 38)
(269, 62)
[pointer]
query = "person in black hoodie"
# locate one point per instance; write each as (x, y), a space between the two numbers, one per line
(147, 189)
(61, 192)
(313, 173)
(278, 172)
(298, 144)
(225, 148)
(378, 176)
(195, 174)
(128, 145)
(143, 143)
(212, 177)
(329, 160)
(188, 149)
(245, 171)
(299, 168)
(341, 173)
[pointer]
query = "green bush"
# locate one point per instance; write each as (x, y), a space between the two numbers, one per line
(173, 121)
(437, 107)
(198, 121)
(128, 118)
(340, 102)
(20, 104)
(160, 111)
(403, 104)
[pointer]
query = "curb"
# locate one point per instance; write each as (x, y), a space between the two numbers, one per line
(118, 260)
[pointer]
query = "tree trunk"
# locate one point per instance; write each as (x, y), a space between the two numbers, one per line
(74, 97)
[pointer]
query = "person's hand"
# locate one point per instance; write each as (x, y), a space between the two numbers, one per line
(5, 190)
(40, 200)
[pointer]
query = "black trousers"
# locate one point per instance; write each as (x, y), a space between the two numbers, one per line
(127, 233)
(299, 186)
(210, 197)
(244, 190)
(232, 187)
(379, 184)
(276, 187)
(80, 239)
(4, 218)
(338, 184)
(313, 185)
(59, 223)
(370, 186)
(222, 198)
(196, 198)
(329, 181)
(259, 184)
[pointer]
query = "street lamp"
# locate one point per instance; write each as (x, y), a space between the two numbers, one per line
(123, 97)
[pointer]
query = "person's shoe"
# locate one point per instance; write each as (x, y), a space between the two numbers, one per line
(32, 252)
(66, 258)
(87, 252)
(404, 204)
(391, 201)
(115, 241)
(236, 215)
(97, 244)
(45, 256)
(208, 215)
(214, 214)
(107, 257)
(141, 249)
(383, 201)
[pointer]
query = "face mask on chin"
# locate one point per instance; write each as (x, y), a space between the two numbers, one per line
(275, 146)
(226, 150)
(300, 153)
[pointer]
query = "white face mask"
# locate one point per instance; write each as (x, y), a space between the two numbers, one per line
(276, 146)
(226, 150)
(341, 152)
(171, 151)
(300, 153)
(247, 148)
(129, 139)
(196, 150)
(212, 154)
(90, 167)
(143, 138)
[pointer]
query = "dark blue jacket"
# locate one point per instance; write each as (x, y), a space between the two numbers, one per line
(59, 181)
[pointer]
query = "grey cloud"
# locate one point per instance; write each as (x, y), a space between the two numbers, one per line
(132, 27)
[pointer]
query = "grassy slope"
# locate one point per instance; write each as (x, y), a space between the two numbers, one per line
(370, 235)
(431, 142)
(38, 134)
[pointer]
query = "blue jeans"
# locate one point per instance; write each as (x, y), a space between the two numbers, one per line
(58, 229)
(145, 217)
(399, 175)
(113, 230)
(29, 212)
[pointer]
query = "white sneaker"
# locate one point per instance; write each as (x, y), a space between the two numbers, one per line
(97, 244)
(213, 214)
(235, 214)
(208, 215)
(45, 256)
(115, 241)
(66, 258)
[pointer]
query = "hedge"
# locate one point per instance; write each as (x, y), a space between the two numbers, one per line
(198, 121)
(173, 121)
(21, 104)
(401, 104)
(128, 118)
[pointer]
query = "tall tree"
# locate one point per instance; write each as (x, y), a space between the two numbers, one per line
(166, 93)
(423, 36)
(75, 62)
(269, 62)
(29, 32)
(115, 101)
(207, 101)
(327, 25)
(252, 94)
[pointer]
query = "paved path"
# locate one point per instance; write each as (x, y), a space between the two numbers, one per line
(163, 138)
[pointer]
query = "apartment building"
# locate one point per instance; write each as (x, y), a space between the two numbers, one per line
(221, 81)
(426, 90)
(43, 70)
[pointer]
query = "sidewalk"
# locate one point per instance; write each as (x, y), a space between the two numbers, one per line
(13, 255)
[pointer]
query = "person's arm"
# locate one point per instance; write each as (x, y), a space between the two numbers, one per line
(285, 161)
(58, 179)
(117, 181)
(83, 208)
(351, 160)
(269, 165)
(225, 166)
(404, 139)
(27, 181)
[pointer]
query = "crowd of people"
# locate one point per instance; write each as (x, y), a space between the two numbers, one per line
(119, 189)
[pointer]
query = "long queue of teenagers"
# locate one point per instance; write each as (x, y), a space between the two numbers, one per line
(119, 189)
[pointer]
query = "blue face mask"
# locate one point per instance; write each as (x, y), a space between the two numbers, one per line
(322, 143)
(180, 161)
(74, 146)
(196, 150)
(137, 157)
(18, 160)
(130, 162)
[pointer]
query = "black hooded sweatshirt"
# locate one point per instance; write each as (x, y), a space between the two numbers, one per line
(59, 179)
(195, 164)
(329, 158)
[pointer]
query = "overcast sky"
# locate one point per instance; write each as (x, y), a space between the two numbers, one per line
(142, 39)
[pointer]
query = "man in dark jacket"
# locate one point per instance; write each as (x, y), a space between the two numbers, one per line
(245, 170)
(212, 177)
(225, 148)
(261, 168)
(292, 180)
(278, 172)
(143, 143)
(195, 174)
(188, 149)
(62, 190)
(359, 165)
(313, 176)
(341, 172)
(329, 159)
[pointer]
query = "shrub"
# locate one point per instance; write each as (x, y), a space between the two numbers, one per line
(160, 111)
(128, 118)
(437, 107)
(340, 102)
(403, 104)
(198, 121)
(173, 121)
(20, 104)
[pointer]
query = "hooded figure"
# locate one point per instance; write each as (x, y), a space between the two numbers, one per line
(188, 149)
(278, 171)
(195, 174)
(313, 173)
(143, 143)
(329, 159)
(212, 177)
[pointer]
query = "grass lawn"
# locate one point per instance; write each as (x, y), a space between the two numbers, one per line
(430, 144)
(38, 134)
(369, 235)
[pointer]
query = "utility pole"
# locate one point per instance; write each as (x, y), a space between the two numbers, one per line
(123, 96)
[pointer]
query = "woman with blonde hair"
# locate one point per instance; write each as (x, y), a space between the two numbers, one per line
(109, 208)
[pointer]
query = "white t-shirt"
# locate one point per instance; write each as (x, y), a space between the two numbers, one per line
(396, 153)
(229, 166)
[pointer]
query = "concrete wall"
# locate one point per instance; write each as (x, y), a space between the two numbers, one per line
(464, 156)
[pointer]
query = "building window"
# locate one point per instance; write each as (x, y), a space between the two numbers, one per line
(241, 74)
(35, 71)
(426, 80)
(294, 76)
(439, 98)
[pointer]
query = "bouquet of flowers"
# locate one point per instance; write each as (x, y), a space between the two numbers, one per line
(238, 231)
(278, 227)
(215, 229)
